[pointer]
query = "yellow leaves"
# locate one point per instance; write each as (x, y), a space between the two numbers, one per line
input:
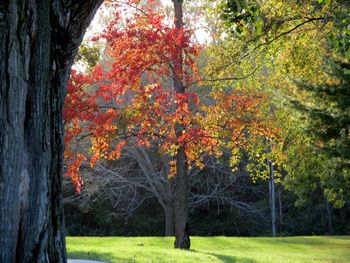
(199, 164)
(149, 88)
(272, 8)
(235, 158)
(172, 169)
(173, 149)
(100, 149)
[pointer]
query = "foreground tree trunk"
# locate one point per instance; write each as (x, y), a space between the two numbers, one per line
(38, 41)
(182, 238)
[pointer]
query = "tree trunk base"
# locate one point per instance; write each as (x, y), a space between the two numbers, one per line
(182, 238)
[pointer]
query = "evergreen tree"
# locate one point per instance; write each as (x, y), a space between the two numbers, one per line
(328, 123)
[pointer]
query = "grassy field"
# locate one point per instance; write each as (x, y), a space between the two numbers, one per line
(211, 249)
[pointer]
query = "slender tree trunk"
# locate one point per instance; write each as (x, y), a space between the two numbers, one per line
(182, 239)
(272, 198)
(170, 210)
(169, 220)
(38, 41)
(330, 218)
(280, 206)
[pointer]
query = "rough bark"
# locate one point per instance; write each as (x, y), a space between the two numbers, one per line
(38, 41)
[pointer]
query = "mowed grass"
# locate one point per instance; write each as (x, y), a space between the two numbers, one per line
(211, 249)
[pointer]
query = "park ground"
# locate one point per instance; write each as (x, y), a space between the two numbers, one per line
(212, 249)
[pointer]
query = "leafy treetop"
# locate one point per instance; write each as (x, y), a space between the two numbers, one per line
(131, 96)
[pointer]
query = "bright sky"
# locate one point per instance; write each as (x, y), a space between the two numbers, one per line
(100, 21)
(166, 2)
(201, 35)
(97, 25)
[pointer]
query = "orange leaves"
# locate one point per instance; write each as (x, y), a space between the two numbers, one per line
(73, 169)
(78, 100)
(115, 154)
(239, 116)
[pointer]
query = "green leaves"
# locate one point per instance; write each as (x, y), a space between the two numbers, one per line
(239, 16)
(323, 2)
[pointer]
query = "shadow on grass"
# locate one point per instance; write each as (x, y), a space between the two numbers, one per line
(99, 256)
(346, 238)
(225, 258)
(108, 257)
(296, 241)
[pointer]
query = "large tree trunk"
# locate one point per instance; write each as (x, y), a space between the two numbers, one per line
(182, 239)
(38, 41)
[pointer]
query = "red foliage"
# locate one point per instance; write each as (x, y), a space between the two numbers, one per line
(126, 97)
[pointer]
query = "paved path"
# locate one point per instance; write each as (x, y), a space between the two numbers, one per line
(83, 261)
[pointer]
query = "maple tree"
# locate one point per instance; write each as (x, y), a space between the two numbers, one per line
(144, 92)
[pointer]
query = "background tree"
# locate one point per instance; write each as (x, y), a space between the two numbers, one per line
(235, 64)
(328, 123)
(132, 101)
(327, 120)
(281, 35)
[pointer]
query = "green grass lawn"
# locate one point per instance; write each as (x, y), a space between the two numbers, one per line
(211, 249)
